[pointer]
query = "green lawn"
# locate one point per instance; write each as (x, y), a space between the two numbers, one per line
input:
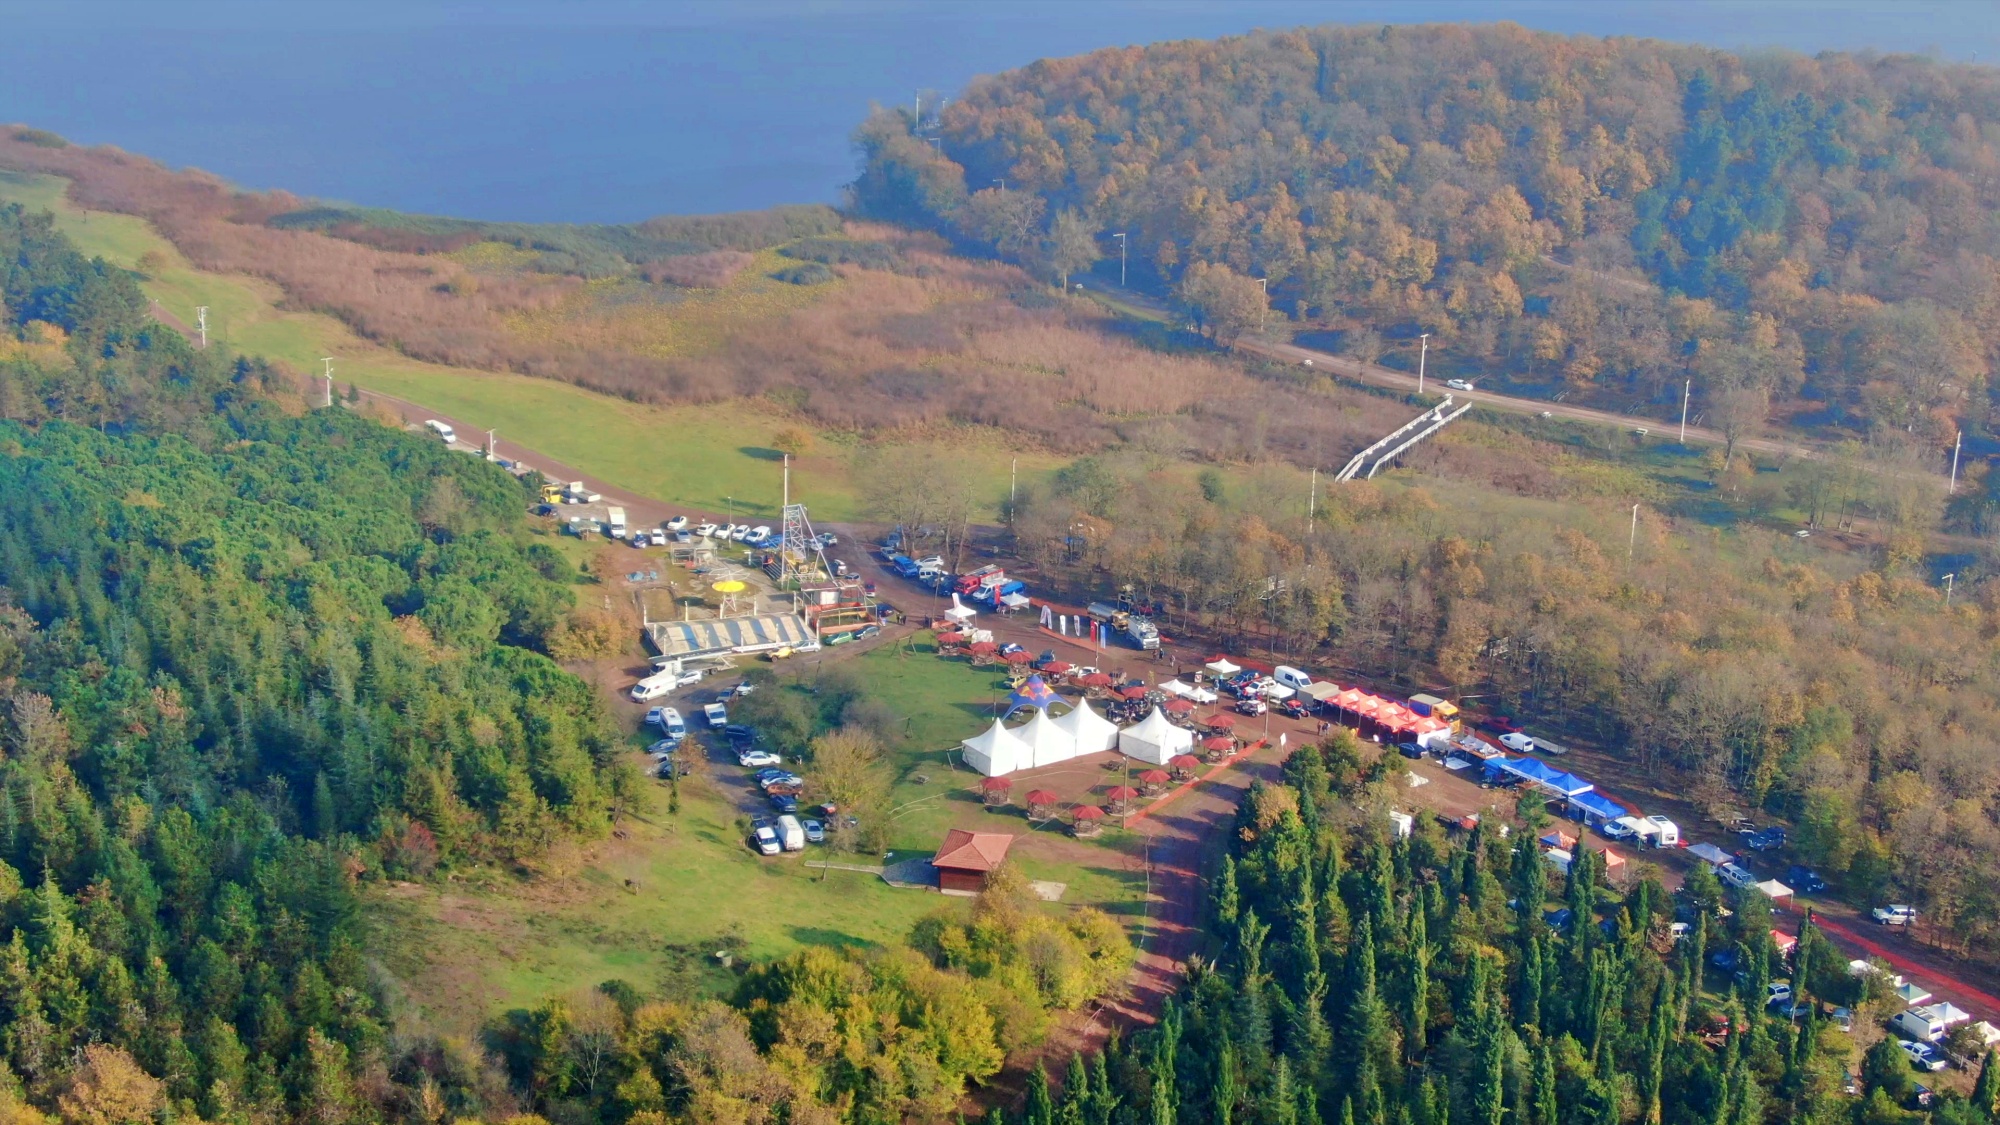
(701, 456)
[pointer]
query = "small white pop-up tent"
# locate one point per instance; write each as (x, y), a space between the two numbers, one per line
(1092, 731)
(997, 751)
(959, 611)
(1222, 667)
(1153, 739)
(1048, 742)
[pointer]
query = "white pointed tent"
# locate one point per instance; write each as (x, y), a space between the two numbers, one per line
(997, 751)
(1092, 731)
(1048, 742)
(1154, 739)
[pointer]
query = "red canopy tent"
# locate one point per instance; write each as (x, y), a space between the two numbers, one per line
(1096, 680)
(1020, 657)
(1178, 706)
(1349, 699)
(983, 648)
(1057, 667)
(1133, 692)
(1367, 705)
(1156, 777)
(951, 638)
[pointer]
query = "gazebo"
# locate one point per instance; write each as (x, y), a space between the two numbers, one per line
(1218, 746)
(1018, 657)
(1042, 803)
(1154, 782)
(982, 651)
(1221, 720)
(1096, 681)
(1177, 706)
(1133, 692)
(1086, 820)
(1120, 798)
(994, 791)
(965, 859)
(1184, 765)
(1057, 667)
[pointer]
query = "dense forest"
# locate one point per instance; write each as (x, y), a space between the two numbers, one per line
(1611, 217)
(1436, 980)
(250, 657)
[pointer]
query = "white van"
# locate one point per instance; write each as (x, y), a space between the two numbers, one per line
(792, 833)
(442, 430)
(1735, 876)
(653, 686)
(1920, 1024)
(1666, 834)
(1291, 677)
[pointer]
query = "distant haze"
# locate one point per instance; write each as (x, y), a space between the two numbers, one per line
(625, 110)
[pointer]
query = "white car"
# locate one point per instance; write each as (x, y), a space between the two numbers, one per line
(1923, 1056)
(739, 531)
(691, 676)
(1894, 915)
(930, 562)
(766, 839)
(1517, 742)
(759, 759)
(705, 530)
(1458, 384)
(1616, 830)
(745, 688)
(1778, 992)
(658, 536)
(678, 523)
(758, 534)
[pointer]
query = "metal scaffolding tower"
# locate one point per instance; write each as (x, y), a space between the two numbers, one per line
(799, 552)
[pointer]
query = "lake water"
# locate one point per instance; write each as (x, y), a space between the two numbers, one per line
(614, 111)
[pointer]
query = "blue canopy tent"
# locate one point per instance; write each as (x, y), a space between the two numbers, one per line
(1595, 808)
(1034, 693)
(1522, 769)
(1568, 786)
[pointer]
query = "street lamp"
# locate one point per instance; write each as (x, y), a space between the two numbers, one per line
(1120, 236)
(1422, 357)
(1264, 287)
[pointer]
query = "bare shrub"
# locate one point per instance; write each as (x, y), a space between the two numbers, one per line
(712, 269)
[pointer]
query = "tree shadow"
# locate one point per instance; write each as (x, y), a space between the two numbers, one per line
(761, 453)
(820, 935)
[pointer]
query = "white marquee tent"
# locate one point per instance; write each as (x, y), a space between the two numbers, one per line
(1222, 667)
(960, 612)
(1092, 731)
(997, 751)
(1154, 739)
(1048, 742)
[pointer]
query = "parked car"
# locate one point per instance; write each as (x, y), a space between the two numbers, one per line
(1804, 880)
(1923, 1056)
(764, 835)
(1458, 384)
(1778, 992)
(656, 717)
(1894, 915)
(815, 831)
(691, 676)
(1251, 705)
(1736, 875)
(1293, 708)
(739, 735)
(657, 537)
(663, 747)
(1409, 750)
(717, 716)
(677, 523)
(751, 759)
(1617, 829)
(1842, 1019)
(761, 531)
(1768, 840)
(670, 721)
(705, 530)
(779, 779)
(785, 803)
(867, 631)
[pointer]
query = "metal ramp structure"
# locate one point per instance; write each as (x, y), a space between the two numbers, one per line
(800, 555)
(1378, 456)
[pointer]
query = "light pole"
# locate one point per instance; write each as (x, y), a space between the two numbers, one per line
(1956, 442)
(1263, 287)
(1687, 393)
(1632, 544)
(1120, 236)
(1423, 357)
(1002, 181)
(1947, 589)
(328, 360)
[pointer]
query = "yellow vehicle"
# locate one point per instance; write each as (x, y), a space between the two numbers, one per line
(781, 653)
(552, 494)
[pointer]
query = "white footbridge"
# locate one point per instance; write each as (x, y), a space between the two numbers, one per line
(1378, 456)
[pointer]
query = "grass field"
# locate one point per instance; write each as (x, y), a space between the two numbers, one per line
(701, 456)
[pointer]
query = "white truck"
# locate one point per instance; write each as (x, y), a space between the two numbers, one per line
(791, 833)
(442, 430)
(655, 686)
(614, 522)
(575, 493)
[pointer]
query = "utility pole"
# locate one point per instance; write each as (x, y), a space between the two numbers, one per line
(492, 445)
(1312, 501)
(1957, 442)
(1120, 236)
(1423, 357)
(1632, 544)
(328, 360)
(1002, 181)
(1947, 589)
(201, 324)
(1264, 286)
(1687, 393)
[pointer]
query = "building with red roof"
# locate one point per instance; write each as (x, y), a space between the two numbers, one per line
(965, 859)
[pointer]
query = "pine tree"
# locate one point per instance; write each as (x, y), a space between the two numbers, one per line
(1104, 1097)
(1488, 1075)
(326, 820)
(1164, 1103)
(1528, 996)
(1542, 1106)
(1225, 1087)
(1076, 1093)
(1652, 1064)
(1416, 1018)
(1986, 1091)
(1281, 1102)
(1040, 1109)
(1228, 900)
(1368, 1023)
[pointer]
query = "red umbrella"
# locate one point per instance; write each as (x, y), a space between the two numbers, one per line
(984, 648)
(1042, 797)
(1056, 667)
(1020, 657)
(1222, 721)
(951, 638)
(1096, 679)
(997, 784)
(1156, 777)
(1180, 706)
(1213, 744)
(1134, 692)
(1121, 793)
(1087, 812)
(1189, 761)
